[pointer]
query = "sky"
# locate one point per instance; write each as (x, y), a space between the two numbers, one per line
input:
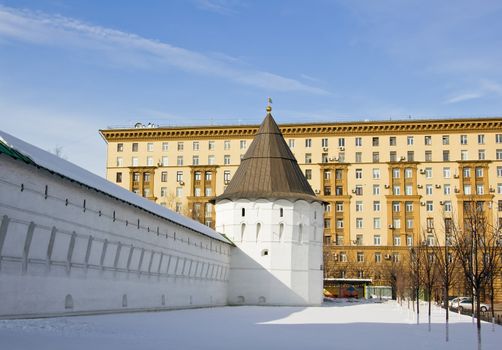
(70, 68)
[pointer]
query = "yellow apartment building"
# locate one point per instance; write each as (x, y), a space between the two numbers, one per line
(388, 184)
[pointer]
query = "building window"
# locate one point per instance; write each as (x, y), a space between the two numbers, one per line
(359, 141)
(163, 176)
(134, 161)
(376, 205)
(120, 147)
(308, 142)
(498, 154)
(396, 207)
(359, 157)
(179, 192)
(243, 212)
(395, 173)
(375, 141)
(281, 212)
(446, 156)
(359, 173)
(429, 206)
(359, 205)
(120, 161)
(360, 257)
(446, 189)
(376, 223)
(481, 139)
(378, 257)
(392, 156)
(447, 206)
(180, 146)
(480, 189)
(165, 146)
(428, 156)
(392, 141)
(327, 190)
(210, 160)
(211, 145)
(149, 147)
(376, 173)
(428, 173)
(481, 154)
(446, 173)
(411, 156)
(463, 139)
(359, 190)
(499, 188)
(467, 172)
(376, 240)
(479, 172)
(396, 190)
(397, 240)
(195, 160)
(324, 142)
(118, 178)
(343, 258)
(376, 157)
(308, 158)
(339, 223)
(163, 191)
(226, 144)
(359, 222)
(208, 176)
(208, 191)
(226, 176)
(179, 161)
(408, 190)
(341, 142)
(376, 190)
(408, 173)
(498, 138)
(409, 223)
(409, 140)
(308, 174)
(339, 190)
(226, 159)
(464, 155)
(409, 207)
(446, 140)
(428, 190)
(197, 176)
(291, 143)
(135, 147)
(499, 205)
(179, 176)
(428, 140)
(195, 145)
(499, 171)
(339, 207)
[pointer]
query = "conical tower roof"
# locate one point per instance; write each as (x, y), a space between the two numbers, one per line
(269, 169)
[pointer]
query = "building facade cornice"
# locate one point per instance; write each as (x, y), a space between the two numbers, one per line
(304, 129)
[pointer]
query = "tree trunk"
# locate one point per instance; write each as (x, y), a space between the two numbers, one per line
(478, 309)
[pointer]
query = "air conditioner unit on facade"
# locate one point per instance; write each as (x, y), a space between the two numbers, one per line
(325, 149)
(391, 227)
(438, 186)
(422, 171)
(341, 148)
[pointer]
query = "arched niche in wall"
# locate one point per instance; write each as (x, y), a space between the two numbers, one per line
(243, 231)
(281, 231)
(258, 229)
(300, 233)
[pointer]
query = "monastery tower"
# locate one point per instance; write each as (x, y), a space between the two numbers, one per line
(275, 220)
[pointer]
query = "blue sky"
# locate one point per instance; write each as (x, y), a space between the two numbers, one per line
(69, 68)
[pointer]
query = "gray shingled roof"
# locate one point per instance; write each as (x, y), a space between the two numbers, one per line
(269, 170)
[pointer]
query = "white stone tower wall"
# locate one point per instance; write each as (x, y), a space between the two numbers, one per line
(282, 266)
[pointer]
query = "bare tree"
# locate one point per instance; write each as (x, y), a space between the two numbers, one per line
(476, 242)
(429, 273)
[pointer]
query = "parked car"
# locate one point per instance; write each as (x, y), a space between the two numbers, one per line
(466, 304)
(455, 301)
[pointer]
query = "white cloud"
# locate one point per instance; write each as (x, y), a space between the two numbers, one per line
(133, 50)
(222, 7)
(464, 97)
(484, 88)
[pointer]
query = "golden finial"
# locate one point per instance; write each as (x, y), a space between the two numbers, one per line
(269, 107)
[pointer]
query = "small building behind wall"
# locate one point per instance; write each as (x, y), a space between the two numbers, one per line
(72, 243)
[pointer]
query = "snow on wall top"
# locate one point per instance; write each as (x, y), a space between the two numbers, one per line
(67, 169)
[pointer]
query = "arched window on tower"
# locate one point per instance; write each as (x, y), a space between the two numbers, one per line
(281, 231)
(243, 229)
(300, 233)
(281, 212)
(258, 229)
(243, 212)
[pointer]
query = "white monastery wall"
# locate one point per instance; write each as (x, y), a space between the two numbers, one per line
(68, 249)
(278, 258)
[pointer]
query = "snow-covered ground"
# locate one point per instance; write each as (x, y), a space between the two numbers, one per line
(343, 325)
